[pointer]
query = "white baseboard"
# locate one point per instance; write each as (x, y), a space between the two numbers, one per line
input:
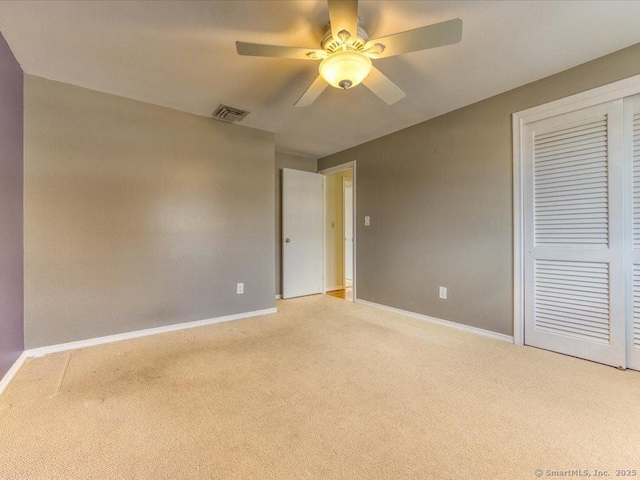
(39, 352)
(439, 321)
(4, 383)
(334, 288)
(278, 297)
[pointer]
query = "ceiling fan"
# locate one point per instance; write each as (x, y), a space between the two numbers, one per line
(346, 52)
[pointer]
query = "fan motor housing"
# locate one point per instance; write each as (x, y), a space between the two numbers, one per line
(332, 45)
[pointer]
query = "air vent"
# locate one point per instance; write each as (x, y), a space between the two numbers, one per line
(229, 114)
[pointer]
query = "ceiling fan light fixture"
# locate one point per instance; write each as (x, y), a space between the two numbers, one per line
(345, 69)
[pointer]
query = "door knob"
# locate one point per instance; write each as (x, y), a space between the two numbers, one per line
(287, 240)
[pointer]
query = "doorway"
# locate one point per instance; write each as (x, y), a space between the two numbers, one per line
(347, 216)
(339, 213)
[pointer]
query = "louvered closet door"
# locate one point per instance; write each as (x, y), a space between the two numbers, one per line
(574, 231)
(632, 222)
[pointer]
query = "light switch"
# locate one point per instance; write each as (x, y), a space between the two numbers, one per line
(442, 292)
(367, 220)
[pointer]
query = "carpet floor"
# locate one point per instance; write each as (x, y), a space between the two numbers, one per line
(324, 389)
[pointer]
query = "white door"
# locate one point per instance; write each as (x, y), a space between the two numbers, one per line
(302, 211)
(348, 233)
(574, 234)
(632, 222)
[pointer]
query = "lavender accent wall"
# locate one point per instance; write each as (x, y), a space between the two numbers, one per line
(11, 209)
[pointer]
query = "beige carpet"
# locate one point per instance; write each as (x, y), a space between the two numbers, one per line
(325, 389)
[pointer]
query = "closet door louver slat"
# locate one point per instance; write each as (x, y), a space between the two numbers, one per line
(636, 182)
(576, 315)
(578, 185)
(636, 309)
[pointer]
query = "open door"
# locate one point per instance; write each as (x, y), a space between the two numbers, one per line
(302, 248)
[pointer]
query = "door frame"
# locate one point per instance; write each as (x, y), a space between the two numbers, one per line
(606, 93)
(325, 172)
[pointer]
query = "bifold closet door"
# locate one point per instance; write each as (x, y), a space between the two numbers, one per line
(632, 223)
(574, 234)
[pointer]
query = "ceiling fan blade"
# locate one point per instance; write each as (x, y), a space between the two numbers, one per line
(260, 50)
(431, 36)
(388, 91)
(343, 15)
(313, 92)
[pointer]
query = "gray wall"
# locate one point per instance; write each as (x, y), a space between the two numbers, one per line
(138, 216)
(440, 199)
(295, 162)
(11, 213)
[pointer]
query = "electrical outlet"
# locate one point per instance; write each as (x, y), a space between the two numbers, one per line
(367, 221)
(443, 293)
(240, 288)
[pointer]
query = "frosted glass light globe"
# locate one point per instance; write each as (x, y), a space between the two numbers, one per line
(345, 69)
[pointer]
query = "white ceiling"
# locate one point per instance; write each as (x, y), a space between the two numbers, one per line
(182, 55)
